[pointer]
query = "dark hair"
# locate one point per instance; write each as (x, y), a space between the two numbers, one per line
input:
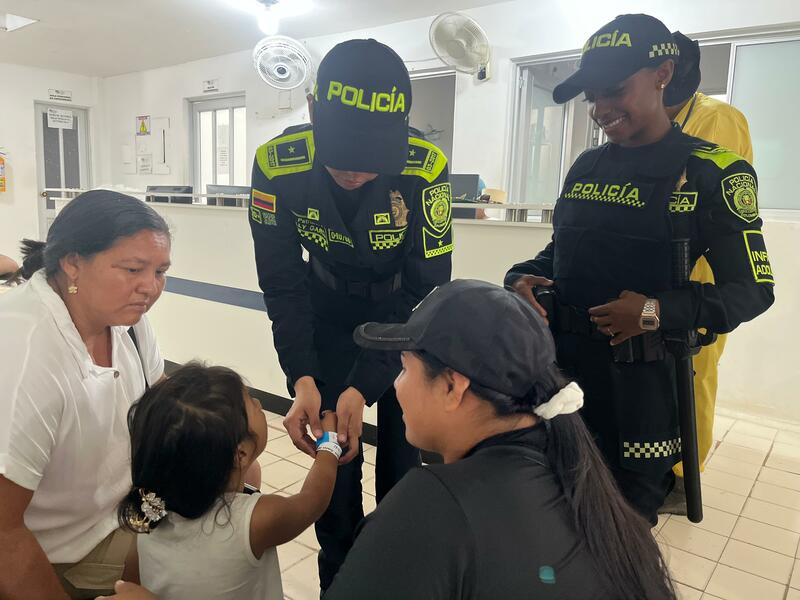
(184, 433)
(91, 223)
(616, 536)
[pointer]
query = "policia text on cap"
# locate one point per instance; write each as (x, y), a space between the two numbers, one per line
(369, 201)
(622, 207)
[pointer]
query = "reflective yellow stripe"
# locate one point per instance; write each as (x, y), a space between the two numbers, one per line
(428, 167)
(272, 170)
(722, 157)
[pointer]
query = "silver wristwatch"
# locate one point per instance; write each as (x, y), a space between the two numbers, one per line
(649, 320)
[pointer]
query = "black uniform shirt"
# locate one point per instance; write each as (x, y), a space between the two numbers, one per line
(492, 525)
(714, 204)
(393, 224)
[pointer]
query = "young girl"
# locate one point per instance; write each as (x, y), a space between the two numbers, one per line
(193, 436)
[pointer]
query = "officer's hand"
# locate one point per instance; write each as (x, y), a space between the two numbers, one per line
(304, 412)
(350, 412)
(620, 319)
(524, 287)
(125, 590)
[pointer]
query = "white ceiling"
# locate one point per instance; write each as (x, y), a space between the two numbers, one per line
(110, 37)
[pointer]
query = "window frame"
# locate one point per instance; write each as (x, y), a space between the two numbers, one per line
(201, 105)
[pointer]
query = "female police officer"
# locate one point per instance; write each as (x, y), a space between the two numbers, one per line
(370, 203)
(620, 209)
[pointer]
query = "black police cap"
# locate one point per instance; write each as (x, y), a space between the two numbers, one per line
(485, 332)
(362, 101)
(616, 51)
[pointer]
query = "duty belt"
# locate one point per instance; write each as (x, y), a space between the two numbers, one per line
(363, 289)
(646, 347)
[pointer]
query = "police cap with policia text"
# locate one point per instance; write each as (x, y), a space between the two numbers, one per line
(616, 51)
(361, 104)
(485, 332)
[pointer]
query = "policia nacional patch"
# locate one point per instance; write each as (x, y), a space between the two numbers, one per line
(436, 202)
(741, 197)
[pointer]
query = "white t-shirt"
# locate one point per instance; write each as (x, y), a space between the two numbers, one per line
(63, 419)
(209, 557)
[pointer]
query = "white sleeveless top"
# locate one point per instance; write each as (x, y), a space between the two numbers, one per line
(209, 557)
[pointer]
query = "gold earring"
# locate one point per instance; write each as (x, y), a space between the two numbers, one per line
(72, 288)
(662, 86)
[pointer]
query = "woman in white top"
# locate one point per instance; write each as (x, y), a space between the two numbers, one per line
(69, 371)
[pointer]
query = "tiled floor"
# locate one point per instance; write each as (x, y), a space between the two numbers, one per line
(746, 548)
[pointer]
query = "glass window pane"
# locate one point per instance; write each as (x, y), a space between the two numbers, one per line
(223, 159)
(766, 95)
(206, 150)
(546, 136)
(52, 155)
(240, 162)
(72, 161)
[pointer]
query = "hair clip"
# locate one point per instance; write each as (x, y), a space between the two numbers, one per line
(152, 508)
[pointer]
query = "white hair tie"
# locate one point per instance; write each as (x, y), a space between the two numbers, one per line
(567, 400)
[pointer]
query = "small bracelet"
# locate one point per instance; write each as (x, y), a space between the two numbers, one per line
(331, 447)
(328, 436)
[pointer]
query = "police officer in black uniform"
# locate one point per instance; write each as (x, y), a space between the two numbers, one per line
(621, 209)
(369, 201)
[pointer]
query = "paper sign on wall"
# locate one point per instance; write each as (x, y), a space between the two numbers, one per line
(143, 125)
(144, 164)
(210, 85)
(59, 119)
(61, 95)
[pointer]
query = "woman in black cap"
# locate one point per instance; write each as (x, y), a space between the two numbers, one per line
(623, 209)
(523, 506)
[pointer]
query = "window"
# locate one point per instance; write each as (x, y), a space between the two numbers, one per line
(548, 137)
(220, 143)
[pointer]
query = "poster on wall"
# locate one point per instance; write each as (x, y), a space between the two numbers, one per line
(143, 125)
(59, 119)
(144, 164)
(60, 95)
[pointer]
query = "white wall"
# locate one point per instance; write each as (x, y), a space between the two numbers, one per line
(20, 87)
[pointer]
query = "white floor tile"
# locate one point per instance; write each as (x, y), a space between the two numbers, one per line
(747, 455)
(368, 486)
(795, 581)
(692, 539)
(267, 489)
(714, 520)
(779, 478)
(283, 473)
(732, 584)
(369, 454)
(294, 488)
(292, 553)
(685, 592)
(722, 463)
(302, 459)
(758, 561)
(267, 458)
(784, 457)
(724, 422)
(785, 450)
(661, 520)
(722, 500)
(308, 538)
(369, 503)
(301, 582)
(748, 441)
(772, 514)
(793, 594)
(726, 481)
(689, 569)
(272, 416)
(367, 471)
(766, 536)
(710, 597)
(788, 437)
(754, 430)
(777, 495)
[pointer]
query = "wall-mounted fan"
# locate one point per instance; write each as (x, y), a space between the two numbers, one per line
(284, 63)
(461, 43)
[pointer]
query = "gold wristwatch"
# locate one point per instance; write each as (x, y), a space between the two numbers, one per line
(649, 320)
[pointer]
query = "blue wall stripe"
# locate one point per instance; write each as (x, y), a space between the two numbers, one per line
(216, 293)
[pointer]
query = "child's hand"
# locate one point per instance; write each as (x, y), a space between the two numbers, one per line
(329, 421)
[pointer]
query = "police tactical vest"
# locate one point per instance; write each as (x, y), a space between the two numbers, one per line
(612, 224)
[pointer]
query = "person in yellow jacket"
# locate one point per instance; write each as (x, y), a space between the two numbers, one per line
(719, 122)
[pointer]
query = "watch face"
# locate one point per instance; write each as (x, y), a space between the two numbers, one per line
(649, 323)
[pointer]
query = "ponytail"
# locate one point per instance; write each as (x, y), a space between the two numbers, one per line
(616, 536)
(33, 260)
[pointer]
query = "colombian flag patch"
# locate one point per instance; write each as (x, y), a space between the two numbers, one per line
(264, 201)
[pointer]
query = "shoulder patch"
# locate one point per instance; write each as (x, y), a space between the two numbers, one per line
(436, 205)
(759, 259)
(741, 197)
(287, 154)
(424, 160)
(722, 157)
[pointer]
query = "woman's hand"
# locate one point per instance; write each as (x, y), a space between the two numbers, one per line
(524, 287)
(124, 590)
(304, 412)
(350, 411)
(620, 319)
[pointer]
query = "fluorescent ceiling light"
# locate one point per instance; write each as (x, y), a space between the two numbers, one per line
(14, 22)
